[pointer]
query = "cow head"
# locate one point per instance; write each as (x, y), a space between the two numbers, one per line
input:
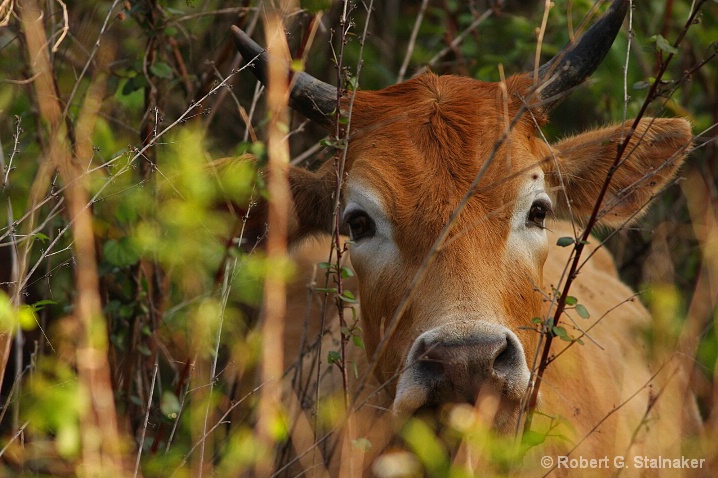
(415, 149)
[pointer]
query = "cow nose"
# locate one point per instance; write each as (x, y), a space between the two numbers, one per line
(488, 355)
(453, 365)
(467, 364)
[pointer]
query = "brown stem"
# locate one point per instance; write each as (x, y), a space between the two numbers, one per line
(579, 245)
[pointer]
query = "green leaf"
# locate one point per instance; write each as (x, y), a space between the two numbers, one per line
(560, 332)
(133, 84)
(41, 237)
(570, 300)
(259, 150)
(537, 320)
(315, 6)
(334, 357)
(346, 272)
(532, 438)
(347, 296)
(297, 65)
(120, 253)
(40, 304)
(663, 45)
(565, 241)
(581, 311)
(161, 70)
(170, 405)
(326, 289)
(332, 142)
(641, 85)
(358, 341)
(27, 318)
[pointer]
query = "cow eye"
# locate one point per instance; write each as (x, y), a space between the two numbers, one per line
(361, 226)
(537, 214)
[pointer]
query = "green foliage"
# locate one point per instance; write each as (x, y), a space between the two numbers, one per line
(181, 274)
(53, 384)
(565, 241)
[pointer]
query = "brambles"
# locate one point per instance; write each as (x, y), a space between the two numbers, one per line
(140, 100)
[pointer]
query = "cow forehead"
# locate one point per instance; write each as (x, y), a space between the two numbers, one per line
(420, 144)
(442, 129)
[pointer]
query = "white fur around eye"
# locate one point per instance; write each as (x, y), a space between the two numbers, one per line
(528, 242)
(376, 252)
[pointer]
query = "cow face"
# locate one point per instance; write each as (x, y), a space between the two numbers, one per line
(467, 319)
(466, 327)
(447, 329)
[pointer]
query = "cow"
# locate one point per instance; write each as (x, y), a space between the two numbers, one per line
(454, 204)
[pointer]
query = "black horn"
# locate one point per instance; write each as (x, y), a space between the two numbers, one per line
(578, 60)
(313, 98)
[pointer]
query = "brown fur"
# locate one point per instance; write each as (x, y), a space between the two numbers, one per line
(420, 144)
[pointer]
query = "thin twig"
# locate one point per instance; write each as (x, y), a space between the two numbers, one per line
(65, 28)
(455, 42)
(90, 59)
(412, 41)
(140, 446)
(14, 437)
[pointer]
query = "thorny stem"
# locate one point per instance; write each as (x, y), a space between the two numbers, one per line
(15, 273)
(339, 176)
(579, 244)
(16, 138)
(339, 170)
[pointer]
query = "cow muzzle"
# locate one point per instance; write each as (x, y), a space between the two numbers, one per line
(460, 361)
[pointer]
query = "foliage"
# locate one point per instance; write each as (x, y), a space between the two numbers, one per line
(180, 263)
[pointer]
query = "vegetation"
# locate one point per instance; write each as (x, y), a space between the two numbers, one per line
(132, 274)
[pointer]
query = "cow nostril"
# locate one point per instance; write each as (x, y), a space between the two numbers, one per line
(505, 360)
(430, 358)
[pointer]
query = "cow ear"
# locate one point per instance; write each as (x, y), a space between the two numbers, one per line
(311, 208)
(579, 165)
(313, 198)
